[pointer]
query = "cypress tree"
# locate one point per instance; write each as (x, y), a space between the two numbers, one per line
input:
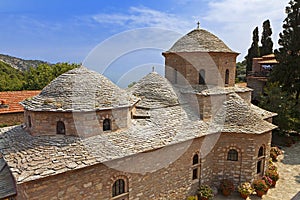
(253, 51)
(266, 40)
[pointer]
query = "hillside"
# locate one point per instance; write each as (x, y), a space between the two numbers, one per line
(19, 63)
(29, 74)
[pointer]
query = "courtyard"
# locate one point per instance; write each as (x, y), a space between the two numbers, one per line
(288, 186)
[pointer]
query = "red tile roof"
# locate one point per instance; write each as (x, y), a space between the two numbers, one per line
(9, 101)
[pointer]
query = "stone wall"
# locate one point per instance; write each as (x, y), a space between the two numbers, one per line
(171, 180)
(188, 65)
(84, 124)
(11, 118)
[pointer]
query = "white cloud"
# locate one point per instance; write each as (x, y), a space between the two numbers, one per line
(145, 17)
(235, 20)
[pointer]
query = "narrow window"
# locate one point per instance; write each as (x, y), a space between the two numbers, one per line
(259, 167)
(202, 77)
(195, 159)
(232, 155)
(261, 151)
(195, 174)
(60, 128)
(195, 167)
(260, 161)
(29, 121)
(227, 77)
(118, 187)
(106, 125)
(175, 76)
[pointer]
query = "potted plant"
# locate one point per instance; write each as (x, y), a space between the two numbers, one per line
(273, 174)
(268, 181)
(192, 198)
(260, 187)
(226, 187)
(205, 192)
(245, 189)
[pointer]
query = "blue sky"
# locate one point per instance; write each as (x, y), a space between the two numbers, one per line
(68, 30)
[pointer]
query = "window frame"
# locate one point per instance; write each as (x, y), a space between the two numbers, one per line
(232, 155)
(195, 167)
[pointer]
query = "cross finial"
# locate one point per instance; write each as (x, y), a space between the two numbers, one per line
(198, 25)
(153, 69)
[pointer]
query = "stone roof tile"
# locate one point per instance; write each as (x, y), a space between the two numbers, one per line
(155, 91)
(200, 40)
(79, 89)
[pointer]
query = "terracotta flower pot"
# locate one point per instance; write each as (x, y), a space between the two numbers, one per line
(226, 192)
(244, 196)
(260, 193)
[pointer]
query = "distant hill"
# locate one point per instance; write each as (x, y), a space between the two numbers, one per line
(19, 63)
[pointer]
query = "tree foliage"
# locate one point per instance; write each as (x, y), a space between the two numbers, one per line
(12, 79)
(266, 40)
(287, 72)
(281, 102)
(253, 51)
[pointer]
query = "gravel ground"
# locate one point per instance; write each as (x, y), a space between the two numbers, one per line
(288, 185)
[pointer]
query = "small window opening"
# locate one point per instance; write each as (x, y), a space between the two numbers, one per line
(232, 155)
(106, 125)
(118, 187)
(60, 128)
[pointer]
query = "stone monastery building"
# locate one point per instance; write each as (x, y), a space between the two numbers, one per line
(85, 138)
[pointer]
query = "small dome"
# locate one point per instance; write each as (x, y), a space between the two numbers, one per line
(79, 89)
(200, 40)
(155, 91)
(237, 116)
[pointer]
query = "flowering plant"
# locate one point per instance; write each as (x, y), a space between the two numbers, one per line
(260, 185)
(273, 174)
(205, 191)
(268, 180)
(245, 188)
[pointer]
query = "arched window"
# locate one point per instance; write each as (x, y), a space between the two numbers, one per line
(29, 121)
(232, 155)
(260, 160)
(118, 187)
(261, 151)
(195, 167)
(60, 128)
(227, 77)
(202, 77)
(195, 159)
(106, 125)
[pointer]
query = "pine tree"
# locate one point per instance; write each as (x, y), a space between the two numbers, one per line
(287, 72)
(253, 51)
(266, 40)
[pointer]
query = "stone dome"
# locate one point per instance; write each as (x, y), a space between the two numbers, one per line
(237, 116)
(79, 89)
(155, 91)
(200, 40)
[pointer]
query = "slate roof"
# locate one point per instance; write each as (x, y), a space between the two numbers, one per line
(168, 122)
(79, 89)
(200, 40)
(240, 117)
(154, 91)
(7, 181)
(12, 100)
(32, 157)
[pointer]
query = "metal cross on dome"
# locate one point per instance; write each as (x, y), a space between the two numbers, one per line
(198, 25)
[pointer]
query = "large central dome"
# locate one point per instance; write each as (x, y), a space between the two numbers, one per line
(79, 89)
(200, 40)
